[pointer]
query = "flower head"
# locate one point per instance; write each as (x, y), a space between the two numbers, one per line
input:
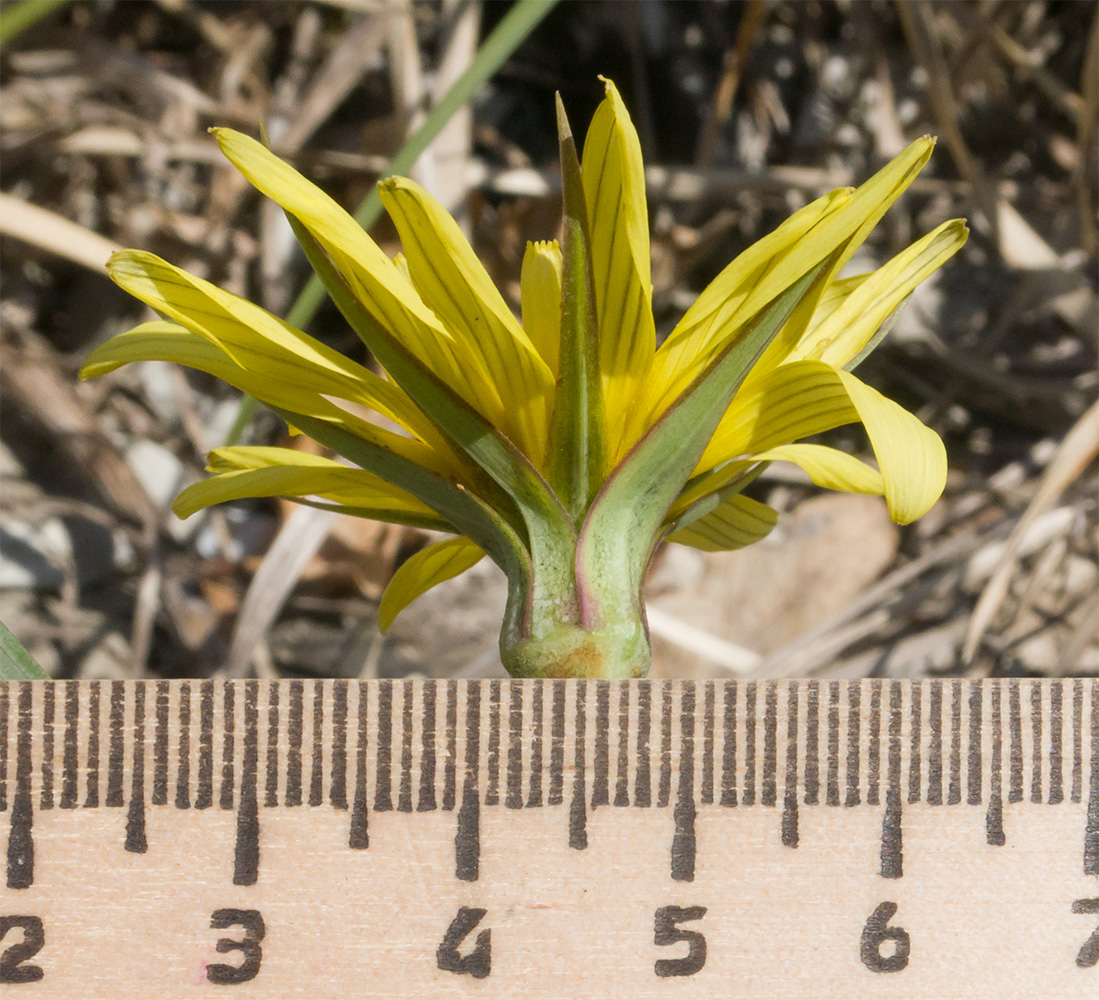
(567, 446)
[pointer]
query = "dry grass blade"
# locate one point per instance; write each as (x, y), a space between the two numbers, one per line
(736, 659)
(49, 231)
(917, 19)
(341, 72)
(735, 58)
(1029, 67)
(298, 541)
(444, 164)
(43, 396)
(1074, 454)
(1088, 124)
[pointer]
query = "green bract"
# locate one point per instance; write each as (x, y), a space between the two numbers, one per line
(568, 446)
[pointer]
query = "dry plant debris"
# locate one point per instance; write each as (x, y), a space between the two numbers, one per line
(747, 111)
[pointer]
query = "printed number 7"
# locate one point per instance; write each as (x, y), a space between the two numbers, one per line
(1089, 953)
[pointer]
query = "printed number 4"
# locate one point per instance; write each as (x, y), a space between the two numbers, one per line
(478, 963)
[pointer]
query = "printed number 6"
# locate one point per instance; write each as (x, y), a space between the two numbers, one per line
(875, 932)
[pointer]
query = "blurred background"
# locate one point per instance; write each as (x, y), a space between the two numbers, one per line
(746, 111)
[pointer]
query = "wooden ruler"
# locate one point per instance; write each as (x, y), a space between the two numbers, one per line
(297, 839)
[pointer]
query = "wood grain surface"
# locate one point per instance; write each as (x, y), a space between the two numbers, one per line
(179, 839)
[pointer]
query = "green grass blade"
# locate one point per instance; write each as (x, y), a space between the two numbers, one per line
(17, 17)
(16, 664)
(508, 35)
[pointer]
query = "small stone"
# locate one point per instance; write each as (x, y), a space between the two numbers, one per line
(31, 555)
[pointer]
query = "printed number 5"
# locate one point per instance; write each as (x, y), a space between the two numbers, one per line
(665, 931)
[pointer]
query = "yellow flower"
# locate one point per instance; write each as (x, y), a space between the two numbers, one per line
(568, 446)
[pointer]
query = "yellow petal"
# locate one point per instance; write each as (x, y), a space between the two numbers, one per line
(233, 458)
(427, 568)
(614, 187)
(302, 391)
(793, 401)
(380, 286)
(832, 298)
(285, 474)
(912, 457)
(541, 294)
(831, 227)
(802, 398)
(828, 468)
(258, 341)
(849, 325)
(454, 283)
(738, 522)
(838, 235)
(717, 312)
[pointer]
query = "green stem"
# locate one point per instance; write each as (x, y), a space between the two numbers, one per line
(551, 641)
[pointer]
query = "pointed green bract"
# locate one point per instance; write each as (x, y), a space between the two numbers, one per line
(618, 536)
(548, 530)
(578, 446)
(16, 664)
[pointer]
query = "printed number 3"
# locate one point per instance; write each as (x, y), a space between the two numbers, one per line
(227, 975)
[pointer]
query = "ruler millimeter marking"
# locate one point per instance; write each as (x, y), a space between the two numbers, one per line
(424, 746)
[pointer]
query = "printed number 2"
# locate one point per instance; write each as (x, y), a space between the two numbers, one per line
(1089, 953)
(875, 932)
(249, 946)
(11, 958)
(665, 932)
